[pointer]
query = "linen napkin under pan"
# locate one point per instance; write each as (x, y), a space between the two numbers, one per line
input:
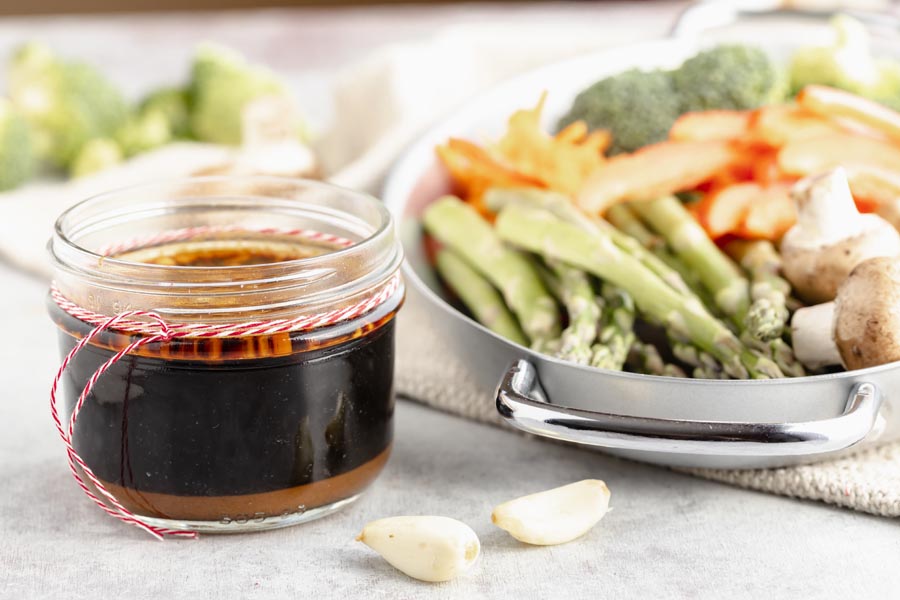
(868, 481)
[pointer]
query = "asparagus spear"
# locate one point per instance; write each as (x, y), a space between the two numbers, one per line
(707, 373)
(765, 320)
(730, 289)
(573, 288)
(543, 233)
(693, 356)
(769, 313)
(706, 366)
(783, 355)
(779, 351)
(479, 296)
(617, 331)
(459, 227)
(624, 219)
(645, 358)
(561, 206)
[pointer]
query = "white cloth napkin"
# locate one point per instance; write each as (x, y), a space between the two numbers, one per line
(27, 214)
(381, 104)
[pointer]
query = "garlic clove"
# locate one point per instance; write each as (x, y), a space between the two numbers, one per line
(426, 548)
(555, 516)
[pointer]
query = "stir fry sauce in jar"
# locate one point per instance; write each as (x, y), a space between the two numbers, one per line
(265, 423)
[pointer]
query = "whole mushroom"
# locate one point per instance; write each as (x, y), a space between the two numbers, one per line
(861, 328)
(831, 237)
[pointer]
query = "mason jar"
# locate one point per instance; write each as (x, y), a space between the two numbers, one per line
(258, 389)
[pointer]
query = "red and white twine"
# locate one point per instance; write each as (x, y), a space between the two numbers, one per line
(153, 329)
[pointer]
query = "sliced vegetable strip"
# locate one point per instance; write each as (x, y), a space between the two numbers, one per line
(560, 163)
(809, 156)
(779, 124)
(656, 170)
(835, 103)
(711, 125)
(474, 170)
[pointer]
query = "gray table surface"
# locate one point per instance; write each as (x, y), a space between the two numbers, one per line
(669, 535)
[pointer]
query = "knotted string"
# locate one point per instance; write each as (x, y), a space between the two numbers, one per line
(108, 504)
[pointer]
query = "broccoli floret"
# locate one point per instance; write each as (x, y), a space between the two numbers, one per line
(96, 155)
(729, 77)
(222, 84)
(66, 103)
(173, 104)
(17, 159)
(848, 64)
(145, 130)
(637, 107)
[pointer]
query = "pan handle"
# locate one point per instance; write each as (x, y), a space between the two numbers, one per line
(703, 16)
(523, 403)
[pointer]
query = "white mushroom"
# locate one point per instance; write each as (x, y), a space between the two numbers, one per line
(831, 237)
(861, 328)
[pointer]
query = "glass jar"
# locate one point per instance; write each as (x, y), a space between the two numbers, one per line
(272, 402)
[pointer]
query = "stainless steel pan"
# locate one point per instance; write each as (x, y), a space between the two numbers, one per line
(683, 422)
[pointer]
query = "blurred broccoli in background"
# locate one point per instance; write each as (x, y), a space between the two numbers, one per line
(729, 77)
(173, 103)
(69, 116)
(222, 84)
(143, 131)
(17, 159)
(638, 107)
(66, 103)
(848, 64)
(96, 155)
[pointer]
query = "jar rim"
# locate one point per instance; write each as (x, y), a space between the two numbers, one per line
(372, 257)
(59, 232)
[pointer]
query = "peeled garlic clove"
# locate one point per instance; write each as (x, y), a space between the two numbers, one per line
(555, 516)
(426, 548)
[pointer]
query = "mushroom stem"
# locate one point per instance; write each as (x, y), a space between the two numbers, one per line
(812, 336)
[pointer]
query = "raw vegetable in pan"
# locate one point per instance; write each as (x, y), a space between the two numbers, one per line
(659, 253)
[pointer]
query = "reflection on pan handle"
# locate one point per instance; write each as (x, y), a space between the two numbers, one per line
(522, 402)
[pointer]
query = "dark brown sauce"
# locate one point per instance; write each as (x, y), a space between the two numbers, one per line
(273, 424)
(217, 250)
